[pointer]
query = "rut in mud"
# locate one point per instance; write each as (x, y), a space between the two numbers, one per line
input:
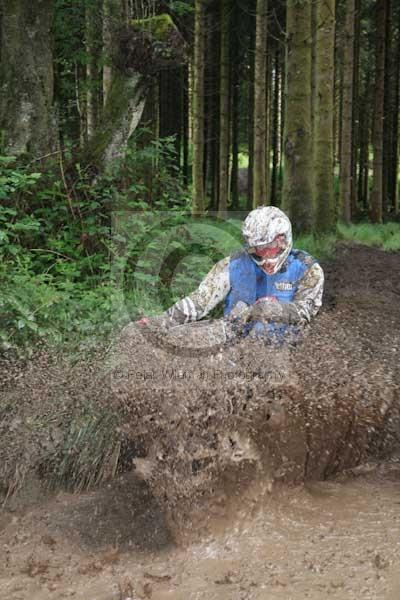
(195, 427)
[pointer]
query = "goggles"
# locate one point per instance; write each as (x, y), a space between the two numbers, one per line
(268, 251)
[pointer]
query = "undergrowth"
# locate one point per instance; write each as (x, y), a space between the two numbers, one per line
(385, 236)
(79, 259)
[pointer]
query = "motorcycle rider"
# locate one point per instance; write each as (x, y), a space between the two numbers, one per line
(268, 289)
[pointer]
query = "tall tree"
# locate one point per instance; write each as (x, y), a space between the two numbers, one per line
(260, 107)
(377, 133)
(185, 122)
(323, 123)
(364, 140)
(26, 74)
(275, 129)
(250, 130)
(298, 171)
(395, 140)
(93, 31)
(170, 109)
(224, 110)
(236, 65)
(390, 112)
(211, 105)
(146, 46)
(355, 117)
(346, 149)
(198, 108)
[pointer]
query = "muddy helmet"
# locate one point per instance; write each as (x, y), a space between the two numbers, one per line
(268, 227)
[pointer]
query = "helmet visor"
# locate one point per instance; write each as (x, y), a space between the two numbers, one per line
(268, 251)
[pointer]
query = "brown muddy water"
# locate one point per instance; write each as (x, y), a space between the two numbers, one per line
(336, 539)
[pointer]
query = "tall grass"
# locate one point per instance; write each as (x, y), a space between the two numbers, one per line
(385, 236)
(321, 247)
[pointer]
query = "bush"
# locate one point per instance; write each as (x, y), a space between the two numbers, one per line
(57, 248)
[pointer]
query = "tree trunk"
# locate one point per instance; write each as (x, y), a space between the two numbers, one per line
(268, 109)
(355, 108)
(212, 94)
(275, 129)
(92, 36)
(347, 112)
(170, 110)
(337, 99)
(198, 108)
(236, 66)
(282, 109)
(395, 140)
(389, 113)
(377, 133)
(260, 107)
(26, 74)
(323, 122)
(298, 174)
(121, 115)
(235, 133)
(106, 50)
(365, 125)
(250, 131)
(224, 111)
(314, 17)
(159, 39)
(185, 124)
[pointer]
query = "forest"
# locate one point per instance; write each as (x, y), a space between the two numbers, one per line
(192, 108)
(137, 137)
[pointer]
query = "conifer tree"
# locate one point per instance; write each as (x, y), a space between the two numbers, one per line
(260, 107)
(323, 122)
(298, 167)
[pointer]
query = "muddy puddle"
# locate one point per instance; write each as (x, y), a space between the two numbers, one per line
(333, 539)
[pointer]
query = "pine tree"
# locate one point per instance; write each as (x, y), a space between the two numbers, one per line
(198, 108)
(323, 124)
(298, 172)
(347, 112)
(27, 78)
(260, 107)
(377, 133)
(275, 128)
(224, 111)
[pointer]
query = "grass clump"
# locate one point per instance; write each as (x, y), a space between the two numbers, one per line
(385, 236)
(320, 247)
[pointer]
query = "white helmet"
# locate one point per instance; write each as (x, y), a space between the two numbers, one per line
(262, 227)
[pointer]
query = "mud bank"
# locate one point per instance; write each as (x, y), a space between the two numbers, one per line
(196, 427)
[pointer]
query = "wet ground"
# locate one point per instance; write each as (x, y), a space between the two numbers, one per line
(332, 404)
(335, 539)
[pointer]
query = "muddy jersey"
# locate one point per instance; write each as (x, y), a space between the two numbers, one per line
(297, 287)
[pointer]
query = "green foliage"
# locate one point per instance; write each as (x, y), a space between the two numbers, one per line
(160, 26)
(79, 259)
(319, 246)
(180, 8)
(58, 252)
(385, 236)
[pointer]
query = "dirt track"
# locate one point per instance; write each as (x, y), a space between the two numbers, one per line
(337, 391)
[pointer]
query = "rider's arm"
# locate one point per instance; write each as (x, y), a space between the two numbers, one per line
(212, 290)
(305, 305)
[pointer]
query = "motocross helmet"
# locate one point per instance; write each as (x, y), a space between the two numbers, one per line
(267, 232)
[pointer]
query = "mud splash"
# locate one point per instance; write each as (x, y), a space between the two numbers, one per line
(201, 429)
(213, 451)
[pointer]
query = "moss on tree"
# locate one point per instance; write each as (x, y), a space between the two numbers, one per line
(144, 47)
(161, 27)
